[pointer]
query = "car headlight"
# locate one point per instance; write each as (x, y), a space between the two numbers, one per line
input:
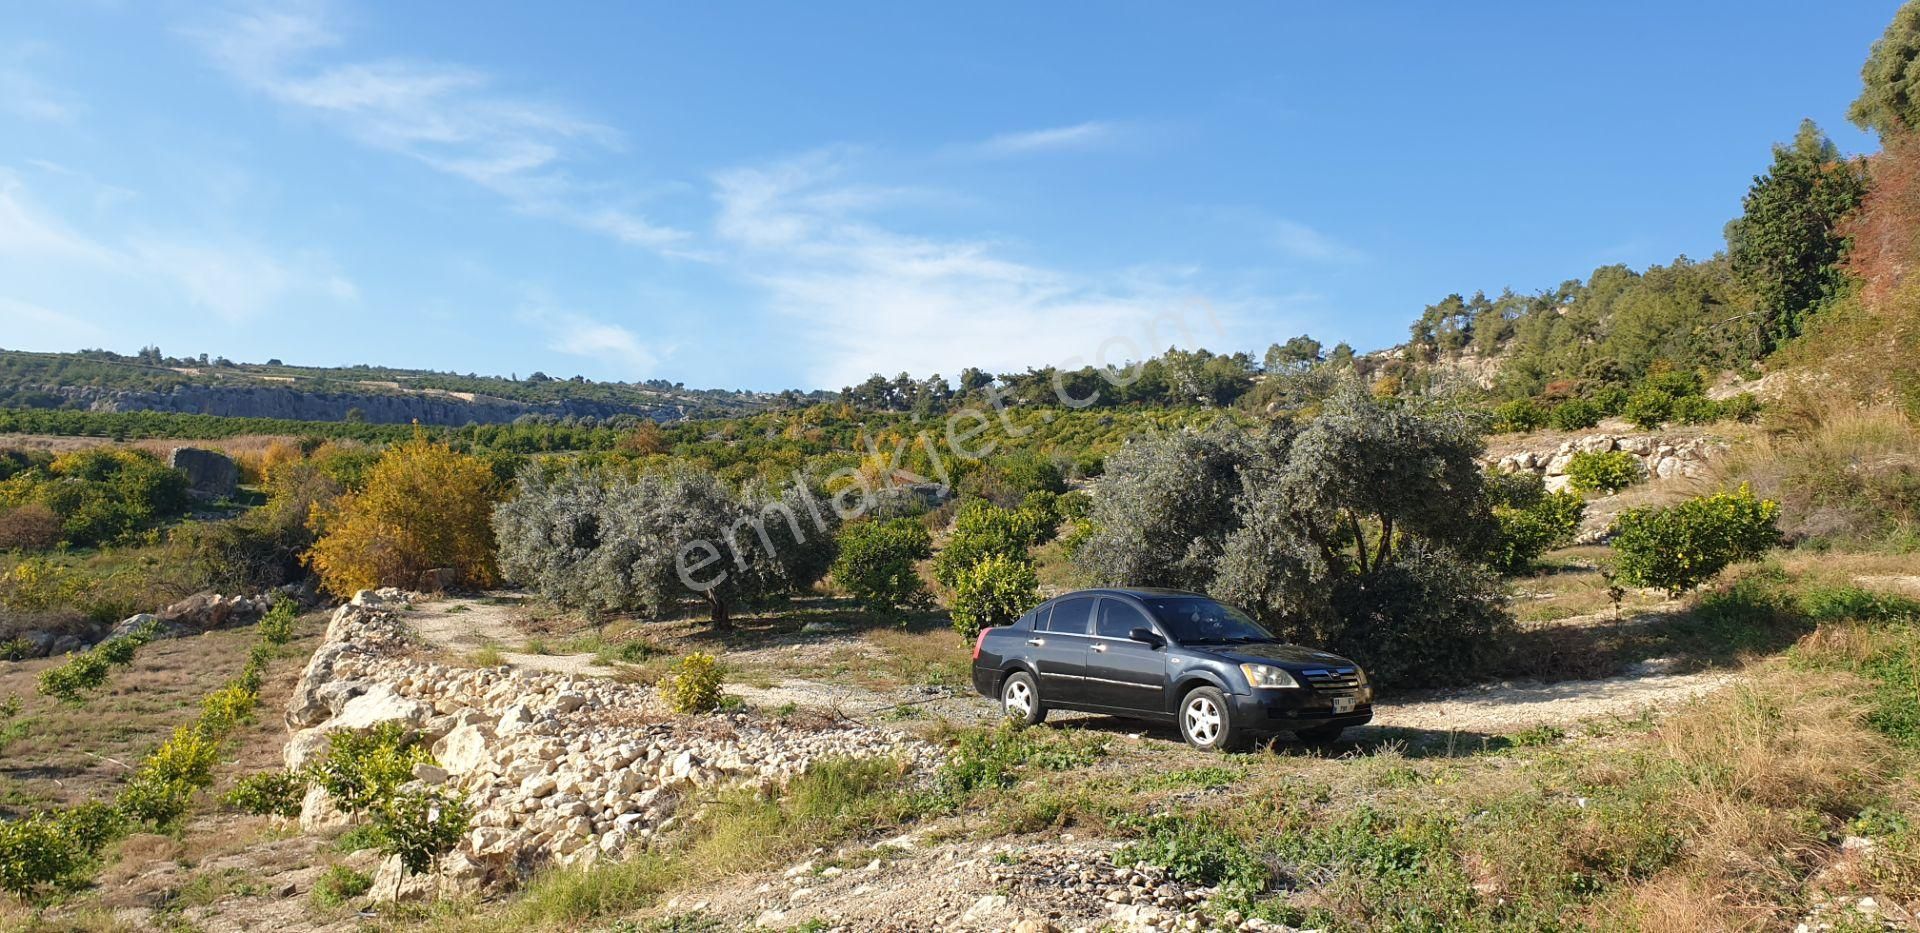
(1268, 676)
(1360, 676)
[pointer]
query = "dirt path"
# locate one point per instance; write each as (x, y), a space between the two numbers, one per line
(1501, 708)
(465, 626)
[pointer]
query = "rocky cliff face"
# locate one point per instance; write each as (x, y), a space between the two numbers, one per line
(375, 407)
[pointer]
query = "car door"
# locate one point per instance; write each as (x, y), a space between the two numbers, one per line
(1123, 674)
(1059, 646)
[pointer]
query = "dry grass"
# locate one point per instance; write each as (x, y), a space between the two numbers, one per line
(1840, 471)
(71, 753)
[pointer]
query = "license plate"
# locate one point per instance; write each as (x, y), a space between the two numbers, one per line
(1343, 704)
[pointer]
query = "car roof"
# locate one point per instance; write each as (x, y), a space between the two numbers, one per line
(1135, 591)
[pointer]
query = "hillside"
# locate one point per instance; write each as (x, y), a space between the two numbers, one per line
(96, 380)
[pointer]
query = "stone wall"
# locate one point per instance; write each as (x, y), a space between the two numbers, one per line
(558, 770)
(1660, 457)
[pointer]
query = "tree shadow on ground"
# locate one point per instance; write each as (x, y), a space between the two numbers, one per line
(1356, 742)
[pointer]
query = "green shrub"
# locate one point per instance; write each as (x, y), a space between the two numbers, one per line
(1844, 603)
(1604, 472)
(876, 564)
(1526, 532)
(1742, 407)
(1695, 409)
(162, 788)
(1197, 851)
(362, 769)
(1678, 548)
(36, 857)
(339, 885)
(419, 827)
(268, 793)
(87, 671)
(694, 684)
(101, 495)
(992, 758)
(1574, 415)
(1648, 409)
(981, 530)
(276, 627)
(993, 592)
(1518, 415)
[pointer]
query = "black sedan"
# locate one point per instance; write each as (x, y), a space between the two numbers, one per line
(1168, 656)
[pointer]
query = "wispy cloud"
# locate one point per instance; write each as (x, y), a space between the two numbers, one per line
(446, 116)
(873, 299)
(580, 335)
(25, 94)
(233, 279)
(50, 327)
(1088, 135)
(237, 281)
(27, 232)
(1299, 241)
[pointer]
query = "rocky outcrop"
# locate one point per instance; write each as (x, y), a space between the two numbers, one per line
(194, 615)
(210, 473)
(1659, 457)
(558, 770)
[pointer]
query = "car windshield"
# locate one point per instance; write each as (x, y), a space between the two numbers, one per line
(1196, 619)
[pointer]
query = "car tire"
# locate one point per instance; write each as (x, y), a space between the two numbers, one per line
(1206, 721)
(1320, 735)
(1020, 699)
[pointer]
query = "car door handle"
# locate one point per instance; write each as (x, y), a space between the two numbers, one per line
(1099, 647)
(1036, 642)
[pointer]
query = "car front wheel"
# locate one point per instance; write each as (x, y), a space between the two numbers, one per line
(1020, 697)
(1207, 722)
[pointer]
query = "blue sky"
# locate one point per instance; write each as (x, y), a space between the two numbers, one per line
(795, 195)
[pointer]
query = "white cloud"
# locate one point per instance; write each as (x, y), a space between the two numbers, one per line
(24, 94)
(877, 300)
(50, 328)
(580, 335)
(446, 116)
(1088, 135)
(233, 280)
(24, 232)
(1299, 241)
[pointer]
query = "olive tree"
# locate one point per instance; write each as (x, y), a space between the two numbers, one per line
(1362, 530)
(603, 542)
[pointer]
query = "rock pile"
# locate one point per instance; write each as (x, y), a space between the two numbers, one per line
(199, 613)
(557, 770)
(1660, 457)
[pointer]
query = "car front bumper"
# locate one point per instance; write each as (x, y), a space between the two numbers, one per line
(1291, 710)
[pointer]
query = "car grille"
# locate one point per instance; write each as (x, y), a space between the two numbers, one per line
(1332, 678)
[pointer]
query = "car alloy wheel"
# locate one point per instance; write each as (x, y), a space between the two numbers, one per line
(1203, 720)
(1019, 698)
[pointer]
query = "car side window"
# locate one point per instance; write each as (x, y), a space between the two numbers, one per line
(1036, 620)
(1118, 619)
(1070, 616)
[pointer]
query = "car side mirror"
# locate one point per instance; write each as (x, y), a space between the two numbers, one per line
(1147, 636)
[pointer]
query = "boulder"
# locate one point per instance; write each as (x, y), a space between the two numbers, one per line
(464, 750)
(318, 812)
(438, 580)
(378, 705)
(210, 474)
(306, 747)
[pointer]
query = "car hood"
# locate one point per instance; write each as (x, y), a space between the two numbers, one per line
(1271, 652)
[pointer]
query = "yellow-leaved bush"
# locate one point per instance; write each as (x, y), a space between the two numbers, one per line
(425, 506)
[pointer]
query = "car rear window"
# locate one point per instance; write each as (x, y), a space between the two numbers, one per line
(1070, 616)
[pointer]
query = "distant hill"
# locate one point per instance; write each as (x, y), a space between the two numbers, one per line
(99, 380)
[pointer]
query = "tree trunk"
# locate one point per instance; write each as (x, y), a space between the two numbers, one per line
(718, 612)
